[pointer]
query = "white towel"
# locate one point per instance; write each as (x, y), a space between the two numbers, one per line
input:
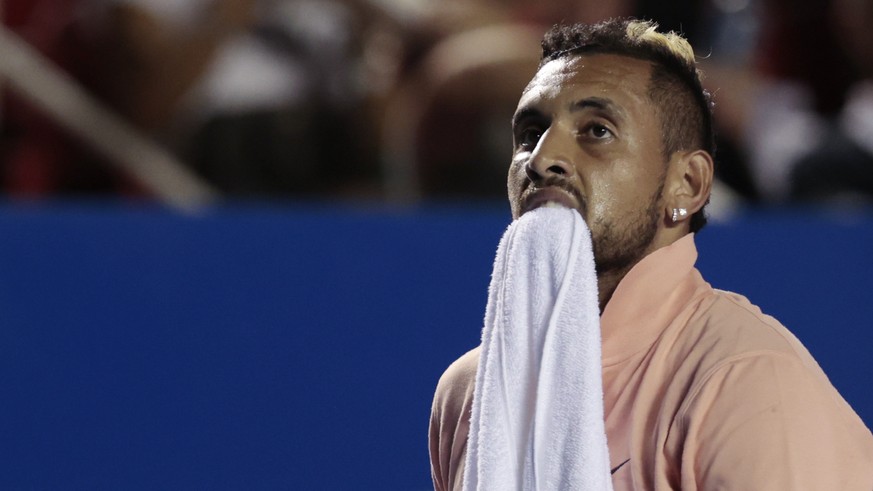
(537, 416)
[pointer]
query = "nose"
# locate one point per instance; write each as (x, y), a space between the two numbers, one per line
(549, 159)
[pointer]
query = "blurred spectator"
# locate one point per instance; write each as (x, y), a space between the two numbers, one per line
(263, 98)
(259, 96)
(792, 101)
(840, 166)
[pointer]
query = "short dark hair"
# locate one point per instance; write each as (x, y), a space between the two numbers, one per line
(684, 107)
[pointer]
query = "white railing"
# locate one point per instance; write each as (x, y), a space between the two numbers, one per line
(26, 71)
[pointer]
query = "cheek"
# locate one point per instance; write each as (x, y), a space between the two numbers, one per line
(604, 205)
(515, 176)
(619, 192)
(515, 184)
(609, 187)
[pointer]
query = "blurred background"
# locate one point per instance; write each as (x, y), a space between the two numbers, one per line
(243, 238)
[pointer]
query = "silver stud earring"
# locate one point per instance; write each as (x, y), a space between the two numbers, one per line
(679, 212)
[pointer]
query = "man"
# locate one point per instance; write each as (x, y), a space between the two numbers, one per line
(701, 389)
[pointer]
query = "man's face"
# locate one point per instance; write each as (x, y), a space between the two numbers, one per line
(586, 135)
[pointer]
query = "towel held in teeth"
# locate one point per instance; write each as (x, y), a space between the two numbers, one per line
(537, 414)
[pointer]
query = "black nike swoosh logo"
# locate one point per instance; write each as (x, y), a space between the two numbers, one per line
(616, 468)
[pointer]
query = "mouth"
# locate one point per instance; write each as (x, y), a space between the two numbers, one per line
(551, 196)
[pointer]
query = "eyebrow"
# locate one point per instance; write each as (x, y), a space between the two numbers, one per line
(528, 112)
(599, 103)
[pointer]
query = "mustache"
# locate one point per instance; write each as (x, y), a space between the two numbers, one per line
(557, 182)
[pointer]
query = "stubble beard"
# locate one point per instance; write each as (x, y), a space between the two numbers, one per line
(618, 247)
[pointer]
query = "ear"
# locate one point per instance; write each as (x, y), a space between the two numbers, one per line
(688, 185)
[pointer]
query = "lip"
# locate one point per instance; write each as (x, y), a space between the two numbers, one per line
(540, 196)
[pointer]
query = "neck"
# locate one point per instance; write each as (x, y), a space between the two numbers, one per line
(608, 281)
(609, 278)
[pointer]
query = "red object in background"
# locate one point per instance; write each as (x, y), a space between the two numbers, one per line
(38, 157)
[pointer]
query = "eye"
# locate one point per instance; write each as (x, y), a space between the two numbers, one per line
(528, 138)
(597, 131)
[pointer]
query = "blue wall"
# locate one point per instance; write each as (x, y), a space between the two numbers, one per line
(298, 347)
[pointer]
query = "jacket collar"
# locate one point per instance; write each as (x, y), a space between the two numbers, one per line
(649, 298)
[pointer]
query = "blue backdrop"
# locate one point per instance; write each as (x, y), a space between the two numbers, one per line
(297, 347)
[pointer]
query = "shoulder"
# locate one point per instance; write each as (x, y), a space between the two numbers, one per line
(748, 364)
(450, 420)
(756, 409)
(729, 344)
(458, 381)
(729, 326)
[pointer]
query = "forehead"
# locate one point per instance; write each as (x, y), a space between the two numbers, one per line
(622, 79)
